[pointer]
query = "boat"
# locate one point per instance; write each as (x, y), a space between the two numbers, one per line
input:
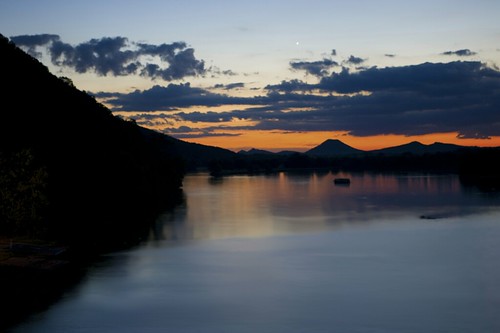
(342, 181)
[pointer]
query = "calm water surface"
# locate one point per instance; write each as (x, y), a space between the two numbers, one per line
(295, 253)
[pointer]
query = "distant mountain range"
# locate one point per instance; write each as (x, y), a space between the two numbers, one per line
(418, 148)
(336, 148)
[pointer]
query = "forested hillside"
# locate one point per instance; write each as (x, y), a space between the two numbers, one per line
(69, 169)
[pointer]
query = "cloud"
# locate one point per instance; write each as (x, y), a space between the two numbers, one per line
(430, 78)
(34, 41)
(462, 97)
(460, 53)
(473, 135)
(185, 132)
(217, 71)
(289, 86)
(230, 86)
(117, 56)
(182, 63)
(334, 52)
(170, 97)
(207, 117)
(352, 60)
(316, 68)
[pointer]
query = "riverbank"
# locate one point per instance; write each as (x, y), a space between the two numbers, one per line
(33, 275)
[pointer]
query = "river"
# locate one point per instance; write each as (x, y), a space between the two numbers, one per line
(297, 253)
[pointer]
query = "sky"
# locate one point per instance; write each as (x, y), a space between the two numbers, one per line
(278, 75)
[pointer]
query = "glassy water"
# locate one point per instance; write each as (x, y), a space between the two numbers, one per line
(296, 253)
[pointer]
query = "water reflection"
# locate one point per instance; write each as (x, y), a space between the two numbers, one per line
(266, 205)
(293, 253)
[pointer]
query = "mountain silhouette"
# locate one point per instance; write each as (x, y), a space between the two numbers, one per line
(331, 148)
(254, 151)
(70, 170)
(194, 156)
(418, 148)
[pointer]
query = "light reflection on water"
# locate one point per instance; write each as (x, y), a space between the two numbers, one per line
(255, 206)
(295, 253)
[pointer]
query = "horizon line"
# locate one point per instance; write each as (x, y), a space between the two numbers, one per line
(305, 150)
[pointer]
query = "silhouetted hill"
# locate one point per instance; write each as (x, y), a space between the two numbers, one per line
(286, 152)
(254, 151)
(331, 148)
(418, 148)
(69, 168)
(193, 155)
(439, 147)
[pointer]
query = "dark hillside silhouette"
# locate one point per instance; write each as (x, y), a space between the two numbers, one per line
(71, 170)
(254, 151)
(331, 148)
(418, 148)
(194, 156)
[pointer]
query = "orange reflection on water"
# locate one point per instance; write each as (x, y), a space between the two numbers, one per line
(268, 205)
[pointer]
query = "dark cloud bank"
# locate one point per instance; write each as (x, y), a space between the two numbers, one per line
(117, 56)
(316, 68)
(461, 97)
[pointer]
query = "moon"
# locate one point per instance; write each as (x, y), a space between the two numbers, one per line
(297, 43)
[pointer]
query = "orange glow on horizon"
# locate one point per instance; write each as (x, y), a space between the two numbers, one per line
(302, 141)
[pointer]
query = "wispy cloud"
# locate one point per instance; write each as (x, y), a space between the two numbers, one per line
(352, 60)
(230, 86)
(460, 53)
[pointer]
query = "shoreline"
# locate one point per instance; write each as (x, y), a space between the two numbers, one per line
(33, 275)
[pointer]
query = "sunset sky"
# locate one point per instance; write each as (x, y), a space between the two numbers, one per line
(279, 75)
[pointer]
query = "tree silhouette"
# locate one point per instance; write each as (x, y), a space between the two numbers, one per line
(23, 197)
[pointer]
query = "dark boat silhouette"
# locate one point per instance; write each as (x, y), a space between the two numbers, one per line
(342, 181)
